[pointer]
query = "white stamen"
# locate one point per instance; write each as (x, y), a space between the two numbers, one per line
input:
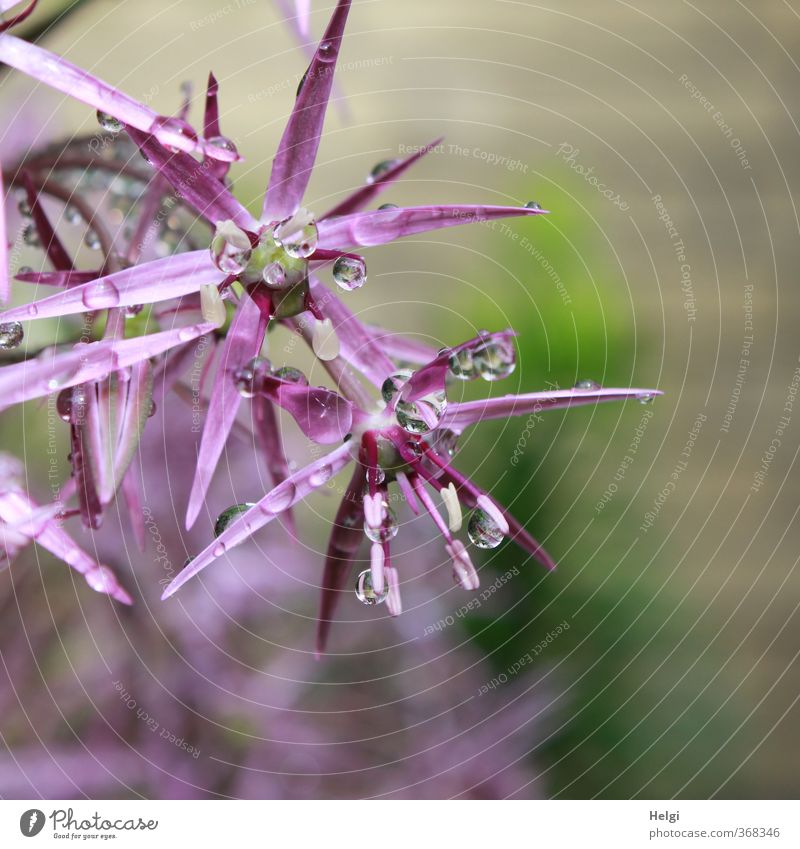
(453, 505)
(487, 505)
(233, 234)
(373, 510)
(212, 306)
(377, 559)
(394, 604)
(324, 340)
(463, 570)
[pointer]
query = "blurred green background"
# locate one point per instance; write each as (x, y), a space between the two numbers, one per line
(678, 675)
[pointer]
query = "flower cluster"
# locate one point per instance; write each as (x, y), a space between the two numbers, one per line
(182, 259)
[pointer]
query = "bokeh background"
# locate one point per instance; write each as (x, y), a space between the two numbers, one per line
(665, 648)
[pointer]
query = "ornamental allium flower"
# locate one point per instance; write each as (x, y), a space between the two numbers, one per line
(218, 272)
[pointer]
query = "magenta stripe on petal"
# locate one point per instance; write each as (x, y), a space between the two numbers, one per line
(297, 151)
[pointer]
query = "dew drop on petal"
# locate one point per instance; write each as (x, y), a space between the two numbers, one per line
(388, 529)
(291, 375)
(281, 499)
(229, 516)
(30, 236)
(350, 272)
(531, 204)
(108, 122)
(72, 215)
(462, 365)
(274, 275)
(101, 295)
(222, 143)
(320, 476)
(298, 235)
(230, 248)
(365, 592)
(249, 378)
(385, 206)
(92, 240)
(483, 531)
(646, 398)
(11, 335)
(379, 170)
(495, 359)
(587, 385)
(219, 549)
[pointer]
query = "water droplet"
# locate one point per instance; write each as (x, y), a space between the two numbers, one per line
(380, 169)
(495, 359)
(326, 51)
(646, 398)
(444, 441)
(365, 592)
(291, 375)
(388, 529)
(11, 335)
(151, 411)
(249, 378)
(418, 416)
(281, 499)
(229, 516)
(24, 207)
(414, 447)
(483, 531)
(30, 236)
(108, 122)
(587, 385)
(531, 204)
(72, 215)
(462, 365)
(92, 240)
(219, 549)
(33, 310)
(186, 334)
(385, 206)
(298, 235)
(320, 476)
(350, 272)
(101, 295)
(173, 126)
(274, 275)
(230, 248)
(222, 143)
(375, 474)
(64, 405)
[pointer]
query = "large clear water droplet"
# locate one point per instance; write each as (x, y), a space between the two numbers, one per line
(230, 248)
(291, 375)
(420, 416)
(274, 275)
(380, 169)
(365, 592)
(462, 365)
(229, 516)
(11, 335)
(100, 296)
(532, 204)
(248, 379)
(298, 235)
(483, 531)
(222, 143)
(587, 385)
(108, 122)
(350, 272)
(495, 359)
(388, 529)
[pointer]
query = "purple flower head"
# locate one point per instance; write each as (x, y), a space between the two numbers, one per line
(208, 269)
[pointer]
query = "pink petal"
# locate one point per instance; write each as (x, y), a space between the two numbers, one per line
(211, 117)
(379, 226)
(377, 560)
(274, 503)
(5, 5)
(394, 603)
(366, 194)
(136, 405)
(400, 347)
(52, 370)
(133, 502)
(242, 343)
(265, 425)
(345, 539)
(458, 416)
(5, 283)
(193, 183)
(297, 151)
(356, 345)
(160, 280)
(57, 278)
(63, 76)
(303, 8)
(323, 416)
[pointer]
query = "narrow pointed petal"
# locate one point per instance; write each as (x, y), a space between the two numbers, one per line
(458, 416)
(356, 345)
(345, 540)
(303, 9)
(394, 603)
(48, 239)
(380, 226)
(323, 416)
(463, 570)
(98, 438)
(297, 151)
(265, 425)
(408, 492)
(136, 408)
(242, 343)
(211, 117)
(52, 370)
(91, 509)
(193, 183)
(273, 504)
(5, 282)
(160, 280)
(366, 194)
(65, 77)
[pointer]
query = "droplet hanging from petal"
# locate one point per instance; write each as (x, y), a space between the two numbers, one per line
(365, 592)
(483, 531)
